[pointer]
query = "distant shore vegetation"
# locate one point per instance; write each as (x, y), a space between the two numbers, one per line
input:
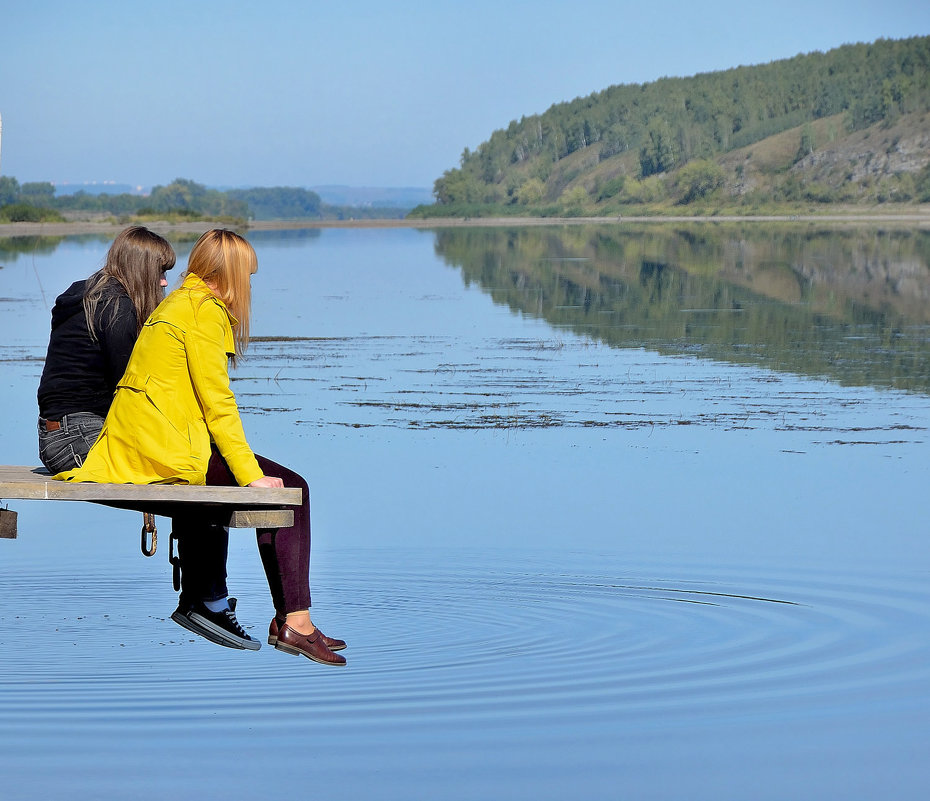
(182, 199)
(850, 126)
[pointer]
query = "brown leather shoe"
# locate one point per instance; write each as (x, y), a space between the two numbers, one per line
(331, 642)
(308, 645)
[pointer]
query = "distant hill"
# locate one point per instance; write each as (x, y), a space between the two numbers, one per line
(850, 125)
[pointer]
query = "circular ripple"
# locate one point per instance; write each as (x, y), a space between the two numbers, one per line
(517, 636)
(480, 637)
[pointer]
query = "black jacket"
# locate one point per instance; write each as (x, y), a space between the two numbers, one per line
(81, 373)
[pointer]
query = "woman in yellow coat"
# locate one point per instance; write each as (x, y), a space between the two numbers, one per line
(174, 419)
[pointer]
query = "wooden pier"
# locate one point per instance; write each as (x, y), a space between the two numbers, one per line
(237, 507)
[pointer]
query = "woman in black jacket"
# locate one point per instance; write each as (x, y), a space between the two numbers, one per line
(94, 326)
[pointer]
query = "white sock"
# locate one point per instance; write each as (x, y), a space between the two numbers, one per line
(217, 606)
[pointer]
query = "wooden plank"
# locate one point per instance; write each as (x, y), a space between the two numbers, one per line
(238, 507)
(260, 517)
(34, 483)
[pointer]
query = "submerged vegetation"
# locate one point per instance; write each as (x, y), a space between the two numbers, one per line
(851, 125)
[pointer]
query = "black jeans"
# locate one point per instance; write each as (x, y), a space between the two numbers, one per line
(67, 447)
(285, 552)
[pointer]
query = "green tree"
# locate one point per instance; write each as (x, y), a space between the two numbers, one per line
(457, 186)
(180, 194)
(121, 204)
(26, 212)
(278, 202)
(531, 192)
(661, 151)
(575, 200)
(186, 196)
(611, 188)
(648, 190)
(9, 190)
(38, 194)
(697, 179)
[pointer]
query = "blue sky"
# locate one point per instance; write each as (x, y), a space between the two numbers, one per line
(361, 93)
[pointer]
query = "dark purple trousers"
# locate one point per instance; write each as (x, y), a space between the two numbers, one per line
(203, 544)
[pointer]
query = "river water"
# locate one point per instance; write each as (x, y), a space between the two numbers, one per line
(602, 512)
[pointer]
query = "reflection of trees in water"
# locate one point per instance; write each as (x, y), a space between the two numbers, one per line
(12, 247)
(848, 304)
(296, 237)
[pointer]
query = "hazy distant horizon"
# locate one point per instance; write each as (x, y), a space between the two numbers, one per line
(332, 194)
(363, 95)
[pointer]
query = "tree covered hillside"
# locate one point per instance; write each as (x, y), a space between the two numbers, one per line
(629, 143)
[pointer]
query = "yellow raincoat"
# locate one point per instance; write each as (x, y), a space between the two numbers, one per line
(173, 399)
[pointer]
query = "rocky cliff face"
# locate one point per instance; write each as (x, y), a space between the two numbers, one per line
(874, 153)
(881, 163)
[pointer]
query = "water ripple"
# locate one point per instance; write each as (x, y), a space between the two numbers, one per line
(457, 636)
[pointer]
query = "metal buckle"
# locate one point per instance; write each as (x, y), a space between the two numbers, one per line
(149, 528)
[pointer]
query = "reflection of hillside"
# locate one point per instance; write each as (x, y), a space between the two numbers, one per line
(845, 304)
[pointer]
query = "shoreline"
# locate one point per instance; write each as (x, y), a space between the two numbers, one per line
(920, 218)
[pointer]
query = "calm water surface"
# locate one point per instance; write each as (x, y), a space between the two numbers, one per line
(602, 512)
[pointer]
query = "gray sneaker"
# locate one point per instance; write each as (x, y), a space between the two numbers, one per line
(221, 628)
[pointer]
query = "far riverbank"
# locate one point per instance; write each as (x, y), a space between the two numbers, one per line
(919, 217)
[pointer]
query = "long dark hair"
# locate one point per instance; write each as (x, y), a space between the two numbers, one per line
(136, 260)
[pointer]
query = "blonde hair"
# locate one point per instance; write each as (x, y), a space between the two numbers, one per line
(226, 262)
(136, 260)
